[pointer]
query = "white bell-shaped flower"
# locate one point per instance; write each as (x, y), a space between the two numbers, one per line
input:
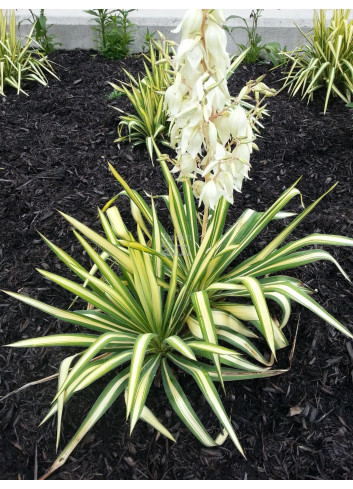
(174, 96)
(191, 50)
(210, 194)
(218, 16)
(190, 24)
(212, 136)
(242, 153)
(223, 128)
(191, 140)
(188, 165)
(216, 42)
(238, 122)
(225, 180)
(239, 172)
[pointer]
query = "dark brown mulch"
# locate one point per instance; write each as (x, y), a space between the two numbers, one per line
(54, 148)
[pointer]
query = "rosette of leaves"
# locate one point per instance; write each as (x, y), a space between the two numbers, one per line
(325, 61)
(150, 121)
(19, 60)
(160, 304)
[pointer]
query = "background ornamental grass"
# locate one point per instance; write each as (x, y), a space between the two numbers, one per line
(325, 60)
(20, 62)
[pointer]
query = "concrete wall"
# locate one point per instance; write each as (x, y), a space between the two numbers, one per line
(74, 27)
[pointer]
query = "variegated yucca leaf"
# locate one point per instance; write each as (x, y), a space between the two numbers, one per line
(325, 61)
(160, 302)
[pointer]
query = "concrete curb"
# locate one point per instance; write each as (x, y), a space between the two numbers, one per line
(73, 28)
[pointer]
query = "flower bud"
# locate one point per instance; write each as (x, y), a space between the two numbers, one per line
(264, 90)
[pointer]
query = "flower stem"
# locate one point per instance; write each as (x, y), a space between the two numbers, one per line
(204, 223)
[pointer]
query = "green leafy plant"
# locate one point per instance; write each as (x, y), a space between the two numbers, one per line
(101, 16)
(115, 31)
(256, 50)
(19, 62)
(149, 37)
(147, 97)
(275, 54)
(114, 94)
(42, 36)
(325, 61)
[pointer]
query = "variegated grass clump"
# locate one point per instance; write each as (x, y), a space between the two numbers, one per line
(184, 302)
(325, 61)
(20, 63)
(150, 123)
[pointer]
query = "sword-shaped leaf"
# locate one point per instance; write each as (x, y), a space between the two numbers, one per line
(63, 373)
(204, 316)
(182, 406)
(103, 341)
(120, 256)
(304, 299)
(94, 370)
(169, 303)
(259, 301)
(204, 346)
(103, 403)
(294, 260)
(147, 376)
(191, 218)
(150, 418)
(208, 389)
(221, 319)
(243, 344)
(70, 317)
(179, 345)
(138, 356)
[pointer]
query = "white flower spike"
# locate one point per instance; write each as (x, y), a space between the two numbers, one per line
(212, 132)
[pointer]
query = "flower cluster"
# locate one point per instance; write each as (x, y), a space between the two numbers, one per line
(213, 133)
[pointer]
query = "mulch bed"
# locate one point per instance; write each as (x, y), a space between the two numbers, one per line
(54, 148)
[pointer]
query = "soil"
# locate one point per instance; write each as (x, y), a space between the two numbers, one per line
(54, 148)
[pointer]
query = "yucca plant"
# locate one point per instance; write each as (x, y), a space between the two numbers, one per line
(325, 60)
(147, 97)
(164, 304)
(20, 63)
